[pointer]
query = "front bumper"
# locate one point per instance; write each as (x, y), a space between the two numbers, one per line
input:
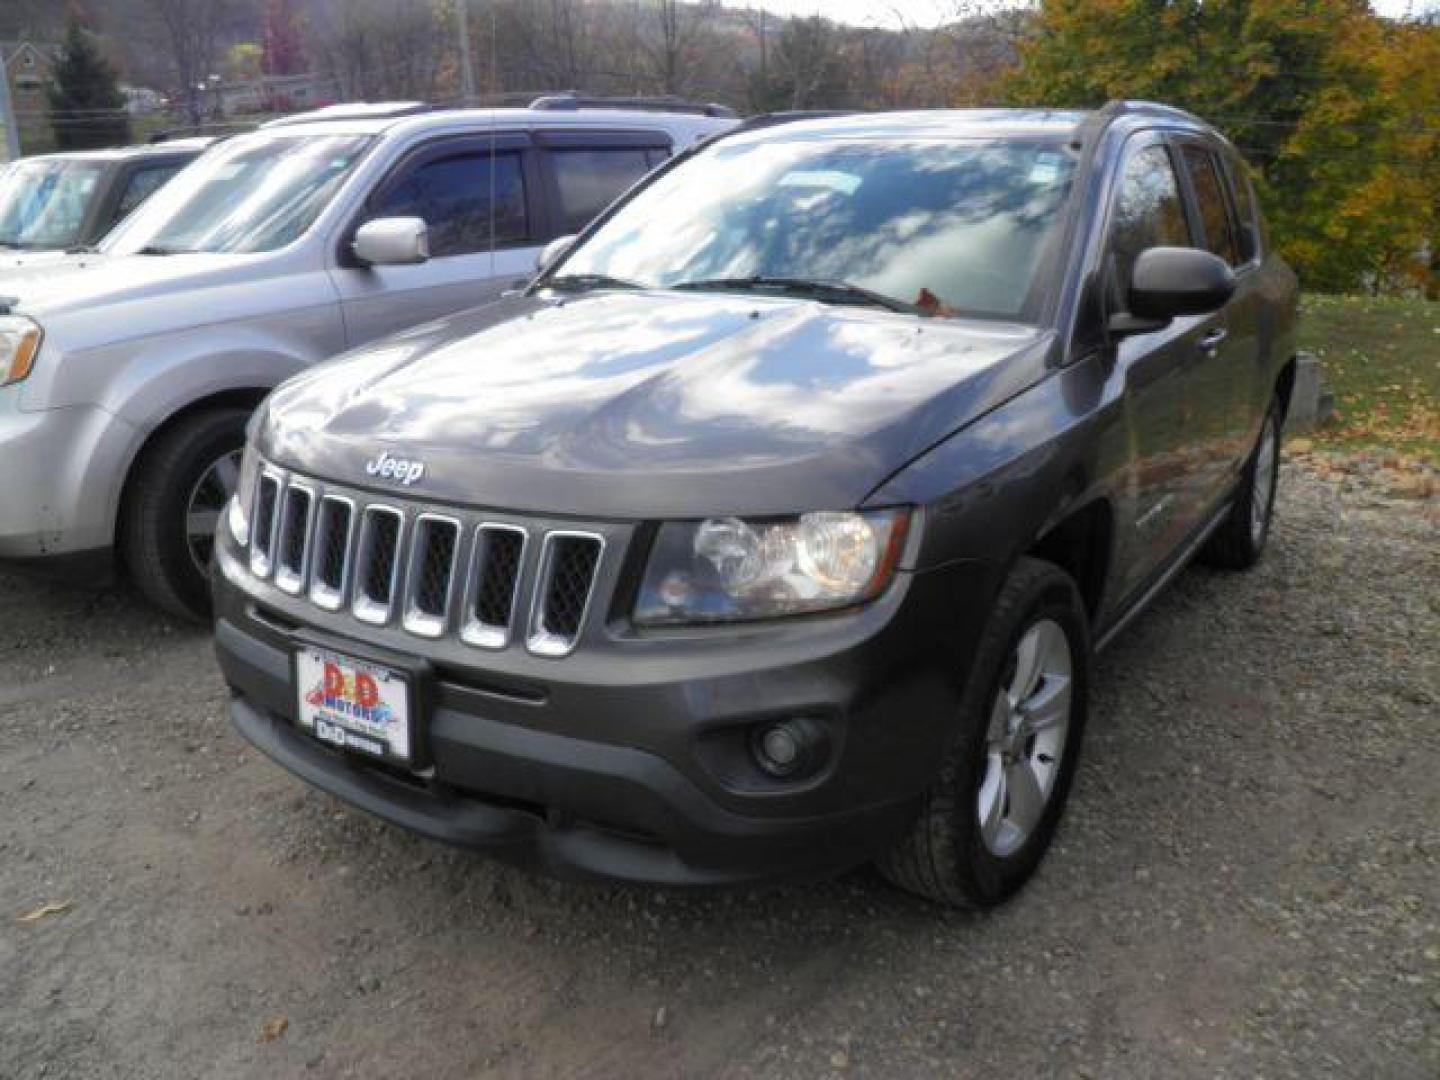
(637, 768)
(62, 473)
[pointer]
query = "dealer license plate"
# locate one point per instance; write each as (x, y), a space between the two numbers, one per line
(354, 704)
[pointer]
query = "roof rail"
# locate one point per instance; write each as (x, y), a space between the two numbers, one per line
(1124, 107)
(199, 131)
(355, 110)
(572, 101)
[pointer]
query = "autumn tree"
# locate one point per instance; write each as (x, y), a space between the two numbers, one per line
(87, 109)
(1300, 87)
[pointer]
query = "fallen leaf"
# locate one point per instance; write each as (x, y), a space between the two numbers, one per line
(44, 911)
(275, 1027)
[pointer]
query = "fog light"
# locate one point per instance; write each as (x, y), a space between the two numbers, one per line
(788, 749)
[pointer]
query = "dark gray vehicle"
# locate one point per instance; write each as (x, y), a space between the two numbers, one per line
(774, 527)
(61, 202)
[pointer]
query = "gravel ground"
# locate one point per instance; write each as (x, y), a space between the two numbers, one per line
(1247, 884)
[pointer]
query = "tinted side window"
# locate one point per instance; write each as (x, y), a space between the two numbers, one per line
(142, 184)
(1148, 210)
(1245, 211)
(590, 180)
(453, 196)
(1210, 200)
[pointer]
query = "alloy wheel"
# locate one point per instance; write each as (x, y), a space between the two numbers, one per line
(1029, 722)
(1262, 485)
(207, 502)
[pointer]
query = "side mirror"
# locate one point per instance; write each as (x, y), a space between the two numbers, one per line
(1169, 282)
(552, 251)
(393, 241)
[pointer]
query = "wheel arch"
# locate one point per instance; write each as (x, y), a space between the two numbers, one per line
(242, 397)
(1081, 543)
(1285, 386)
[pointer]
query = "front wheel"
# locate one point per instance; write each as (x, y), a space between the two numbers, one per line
(989, 818)
(173, 504)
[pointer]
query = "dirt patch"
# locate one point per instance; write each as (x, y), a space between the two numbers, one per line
(1248, 882)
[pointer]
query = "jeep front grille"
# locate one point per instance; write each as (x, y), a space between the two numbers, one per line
(379, 562)
(567, 573)
(496, 559)
(431, 571)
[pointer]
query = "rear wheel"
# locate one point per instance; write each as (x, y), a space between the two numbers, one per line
(1239, 541)
(988, 820)
(173, 505)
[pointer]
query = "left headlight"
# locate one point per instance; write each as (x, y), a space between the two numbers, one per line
(728, 569)
(19, 345)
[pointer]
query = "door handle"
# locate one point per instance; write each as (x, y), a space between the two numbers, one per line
(1211, 341)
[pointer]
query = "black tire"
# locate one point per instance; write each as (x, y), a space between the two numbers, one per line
(153, 537)
(946, 857)
(1238, 542)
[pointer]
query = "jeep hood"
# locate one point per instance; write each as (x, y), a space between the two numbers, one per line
(651, 404)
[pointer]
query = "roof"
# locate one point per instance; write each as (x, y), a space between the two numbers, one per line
(1052, 124)
(128, 153)
(424, 119)
(940, 123)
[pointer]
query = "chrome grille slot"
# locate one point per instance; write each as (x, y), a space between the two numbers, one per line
(330, 573)
(494, 582)
(262, 540)
(562, 593)
(294, 538)
(377, 563)
(432, 569)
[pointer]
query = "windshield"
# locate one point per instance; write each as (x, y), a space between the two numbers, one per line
(255, 193)
(948, 226)
(43, 203)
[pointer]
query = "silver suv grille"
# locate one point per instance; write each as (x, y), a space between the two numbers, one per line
(432, 573)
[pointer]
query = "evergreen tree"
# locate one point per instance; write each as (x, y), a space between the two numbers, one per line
(87, 109)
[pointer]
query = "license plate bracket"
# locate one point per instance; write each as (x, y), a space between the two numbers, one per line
(361, 700)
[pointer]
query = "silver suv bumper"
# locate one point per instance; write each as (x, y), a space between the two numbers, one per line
(61, 477)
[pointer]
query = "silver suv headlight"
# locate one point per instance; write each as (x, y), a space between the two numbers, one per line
(728, 569)
(19, 345)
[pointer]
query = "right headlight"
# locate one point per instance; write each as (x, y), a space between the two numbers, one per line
(243, 499)
(19, 345)
(729, 570)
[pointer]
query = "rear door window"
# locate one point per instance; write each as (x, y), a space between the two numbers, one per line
(462, 200)
(1246, 215)
(589, 179)
(1210, 202)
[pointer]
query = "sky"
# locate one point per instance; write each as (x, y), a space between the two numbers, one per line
(930, 12)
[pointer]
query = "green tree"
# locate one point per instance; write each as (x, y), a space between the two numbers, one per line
(87, 109)
(1305, 88)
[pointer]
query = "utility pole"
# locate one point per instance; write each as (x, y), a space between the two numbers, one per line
(467, 72)
(11, 145)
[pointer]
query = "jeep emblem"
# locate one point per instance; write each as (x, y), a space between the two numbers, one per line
(392, 468)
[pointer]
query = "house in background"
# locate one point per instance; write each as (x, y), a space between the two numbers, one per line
(29, 66)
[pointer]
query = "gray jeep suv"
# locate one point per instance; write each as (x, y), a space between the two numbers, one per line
(780, 537)
(126, 377)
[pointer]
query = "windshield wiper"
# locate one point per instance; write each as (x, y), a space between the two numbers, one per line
(156, 249)
(837, 291)
(582, 282)
(82, 249)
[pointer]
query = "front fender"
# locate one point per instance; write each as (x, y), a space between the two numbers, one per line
(991, 489)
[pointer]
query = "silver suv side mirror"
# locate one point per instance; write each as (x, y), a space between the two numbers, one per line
(552, 251)
(393, 241)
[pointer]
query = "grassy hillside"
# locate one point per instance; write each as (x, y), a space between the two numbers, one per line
(1382, 361)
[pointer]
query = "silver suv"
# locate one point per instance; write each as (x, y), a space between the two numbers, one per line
(126, 382)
